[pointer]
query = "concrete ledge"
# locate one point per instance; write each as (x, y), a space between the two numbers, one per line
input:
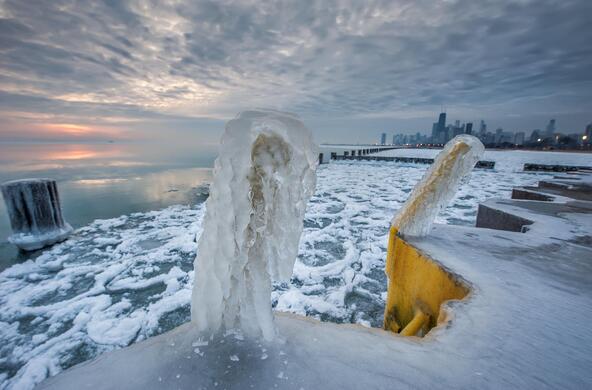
(492, 218)
(524, 193)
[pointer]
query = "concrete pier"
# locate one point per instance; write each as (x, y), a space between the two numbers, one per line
(524, 324)
(411, 160)
(555, 168)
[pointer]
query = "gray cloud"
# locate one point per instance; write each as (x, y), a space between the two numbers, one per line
(339, 64)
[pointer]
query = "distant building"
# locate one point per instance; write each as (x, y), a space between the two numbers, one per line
(519, 138)
(498, 136)
(469, 128)
(383, 139)
(435, 132)
(587, 135)
(442, 135)
(535, 136)
(483, 128)
(550, 130)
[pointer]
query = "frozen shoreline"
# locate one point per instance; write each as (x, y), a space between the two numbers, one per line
(122, 280)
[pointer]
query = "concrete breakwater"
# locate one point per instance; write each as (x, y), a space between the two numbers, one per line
(555, 168)
(412, 160)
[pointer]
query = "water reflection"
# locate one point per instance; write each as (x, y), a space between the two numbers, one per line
(105, 180)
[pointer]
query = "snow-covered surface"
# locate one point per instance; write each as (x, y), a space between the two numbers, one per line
(133, 274)
(525, 325)
(263, 178)
(438, 185)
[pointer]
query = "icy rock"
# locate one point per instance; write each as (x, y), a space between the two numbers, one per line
(263, 178)
(438, 186)
(35, 213)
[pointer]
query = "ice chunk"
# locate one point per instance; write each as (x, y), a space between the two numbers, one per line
(33, 206)
(263, 178)
(438, 185)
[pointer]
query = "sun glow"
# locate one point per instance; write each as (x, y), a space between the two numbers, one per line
(70, 128)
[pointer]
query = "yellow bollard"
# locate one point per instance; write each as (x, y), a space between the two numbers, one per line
(417, 285)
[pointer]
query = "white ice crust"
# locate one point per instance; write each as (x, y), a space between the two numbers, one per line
(438, 185)
(263, 178)
(32, 241)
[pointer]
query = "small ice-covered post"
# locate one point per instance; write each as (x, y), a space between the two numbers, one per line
(263, 178)
(35, 213)
(431, 195)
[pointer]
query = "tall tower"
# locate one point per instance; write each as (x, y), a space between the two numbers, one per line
(469, 128)
(442, 127)
(550, 129)
(383, 139)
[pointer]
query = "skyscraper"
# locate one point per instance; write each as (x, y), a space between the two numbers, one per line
(482, 128)
(469, 128)
(550, 129)
(442, 128)
(383, 139)
(435, 132)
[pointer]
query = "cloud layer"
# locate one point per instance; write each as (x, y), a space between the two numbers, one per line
(345, 66)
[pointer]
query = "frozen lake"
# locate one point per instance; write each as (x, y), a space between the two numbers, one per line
(123, 279)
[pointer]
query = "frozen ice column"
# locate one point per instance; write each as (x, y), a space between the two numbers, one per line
(438, 186)
(35, 213)
(263, 178)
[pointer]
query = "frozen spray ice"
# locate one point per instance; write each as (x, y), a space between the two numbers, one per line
(263, 178)
(438, 186)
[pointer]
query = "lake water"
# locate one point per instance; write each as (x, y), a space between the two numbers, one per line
(105, 180)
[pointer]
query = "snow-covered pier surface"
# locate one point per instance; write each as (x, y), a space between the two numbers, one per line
(524, 325)
(263, 179)
(119, 281)
(35, 213)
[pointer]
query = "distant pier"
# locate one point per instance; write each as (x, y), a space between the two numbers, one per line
(555, 168)
(412, 160)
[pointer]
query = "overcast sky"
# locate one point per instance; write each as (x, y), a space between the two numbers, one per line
(350, 69)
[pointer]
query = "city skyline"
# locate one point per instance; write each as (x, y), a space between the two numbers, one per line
(443, 131)
(126, 70)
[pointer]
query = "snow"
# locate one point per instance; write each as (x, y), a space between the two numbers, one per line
(438, 185)
(338, 275)
(263, 178)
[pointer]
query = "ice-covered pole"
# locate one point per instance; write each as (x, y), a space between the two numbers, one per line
(35, 213)
(438, 186)
(263, 178)
(432, 194)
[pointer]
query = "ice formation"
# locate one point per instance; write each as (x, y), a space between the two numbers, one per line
(263, 179)
(33, 206)
(75, 288)
(438, 186)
